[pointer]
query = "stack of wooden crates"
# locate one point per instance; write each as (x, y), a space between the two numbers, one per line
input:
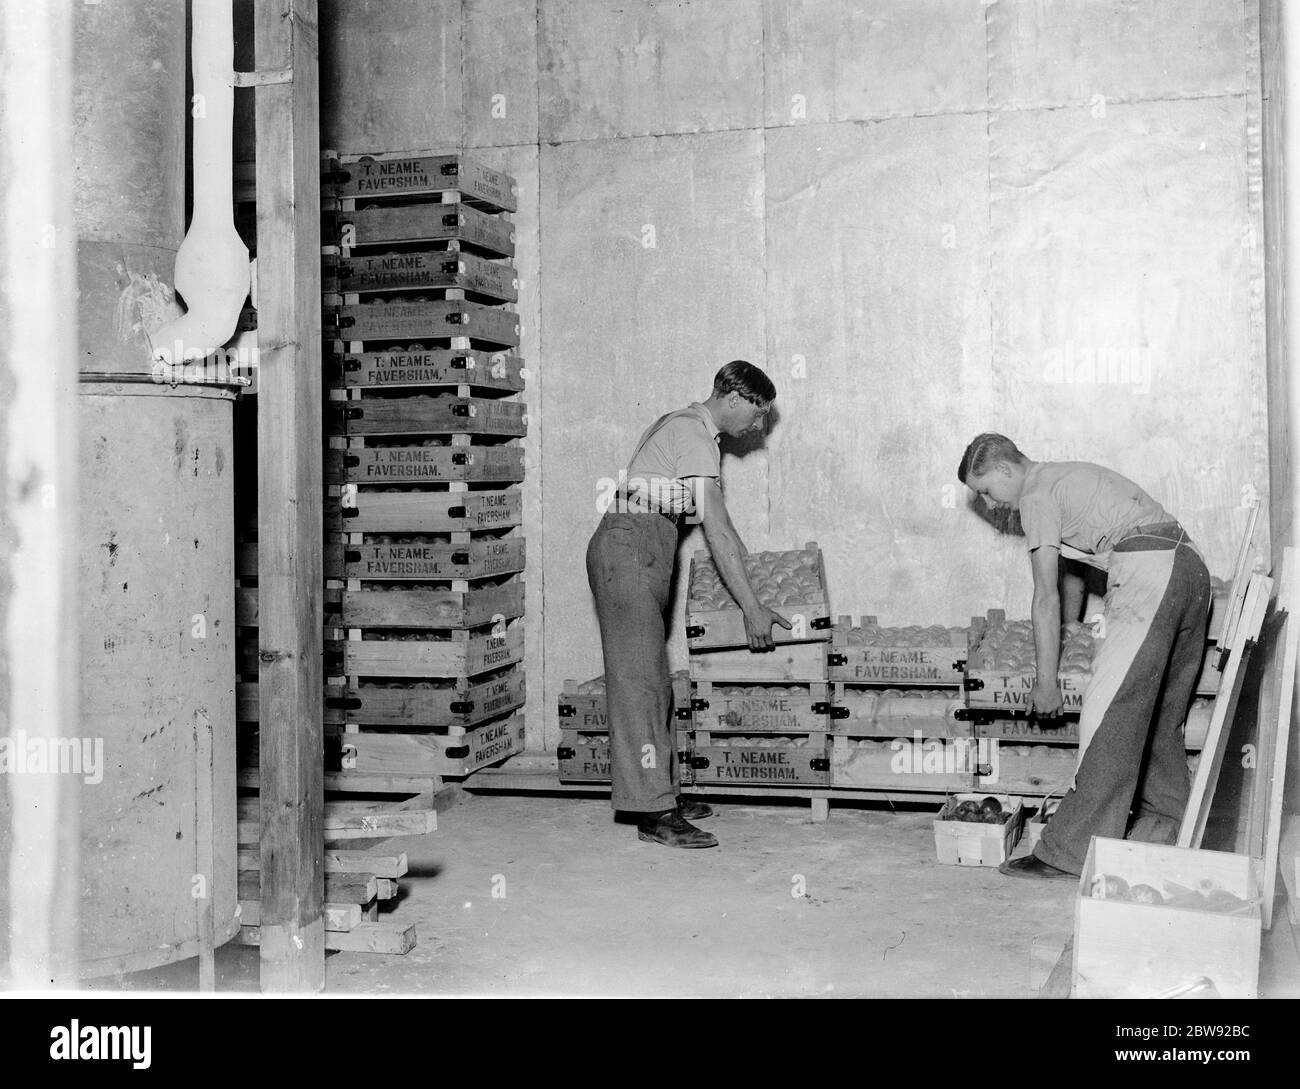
(424, 465)
(760, 720)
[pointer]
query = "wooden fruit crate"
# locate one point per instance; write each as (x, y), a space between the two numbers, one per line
(1029, 769)
(429, 654)
(902, 763)
(582, 706)
(421, 510)
(446, 414)
(404, 176)
(420, 318)
(965, 843)
(461, 702)
(427, 270)
(1125, 949)
(442, 464)
(376, 225)
(762, 709)
(738, 762)
(895, 656)
(584, 757)
(372, 752)
(1002, 688)
(418, 366)
(710, 625)
(1008, 689)
(431, 561)
(890, 712)
(787, 662)
(399, 607)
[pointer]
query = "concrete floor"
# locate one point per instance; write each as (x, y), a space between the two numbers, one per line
(582, 907)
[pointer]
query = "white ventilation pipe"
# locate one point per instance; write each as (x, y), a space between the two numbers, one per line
(212, 263)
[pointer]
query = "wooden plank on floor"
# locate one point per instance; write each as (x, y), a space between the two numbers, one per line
(390, 866)
(290, 490)
(338, 917)
(366, 937)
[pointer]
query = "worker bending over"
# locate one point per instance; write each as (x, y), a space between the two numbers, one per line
(1146, 662)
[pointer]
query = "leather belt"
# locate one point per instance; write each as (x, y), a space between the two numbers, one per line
(1153, 538)
(630, 503)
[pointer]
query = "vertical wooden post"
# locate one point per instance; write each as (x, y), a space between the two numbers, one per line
(38, 358)
(289, 499)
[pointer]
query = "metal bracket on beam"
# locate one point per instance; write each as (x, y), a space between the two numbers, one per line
(264, 78)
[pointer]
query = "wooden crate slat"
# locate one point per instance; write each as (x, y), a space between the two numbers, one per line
(387, 752)
(411, 608)
(431, 512)
(402, 175)
(437, 413)
(787, 662)
(463, 655)
(431, 561)
(424, 223)
(402, 368)
(427, 464)
(464, 705)
(431, 319)
(428, 269)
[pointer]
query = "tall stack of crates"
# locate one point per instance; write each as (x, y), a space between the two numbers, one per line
(424, 464)
(896, 697)
(760, 719)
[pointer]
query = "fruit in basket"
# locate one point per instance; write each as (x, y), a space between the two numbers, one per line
(991, 807)
(967, 811)
(1145, 894)
(1106, 886)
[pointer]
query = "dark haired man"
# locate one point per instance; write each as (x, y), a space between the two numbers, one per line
(1144, 668)
(673, 476)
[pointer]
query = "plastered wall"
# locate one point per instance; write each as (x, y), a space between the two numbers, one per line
(925, 218)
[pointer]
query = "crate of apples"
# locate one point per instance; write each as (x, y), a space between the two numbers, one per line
(867, 653)
(978, 829)
(793, 583)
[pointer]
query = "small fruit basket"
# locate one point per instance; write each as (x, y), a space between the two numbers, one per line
(793, 583)
(978, 829)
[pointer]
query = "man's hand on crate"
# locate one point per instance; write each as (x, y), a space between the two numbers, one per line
(1045, 700)
(758, 626)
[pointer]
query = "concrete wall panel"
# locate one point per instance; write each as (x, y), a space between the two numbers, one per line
(500, 73)
(1077, 51)
(632, 330)
(877, 283)
(1122, 301)
(845, 60)
(645, 67)
(390, 75)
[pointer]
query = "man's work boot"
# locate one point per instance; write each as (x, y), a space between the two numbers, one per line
(690, 810)
(672, 830)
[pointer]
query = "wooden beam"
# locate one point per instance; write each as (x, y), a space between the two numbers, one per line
(38, 433)
(289, 492)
